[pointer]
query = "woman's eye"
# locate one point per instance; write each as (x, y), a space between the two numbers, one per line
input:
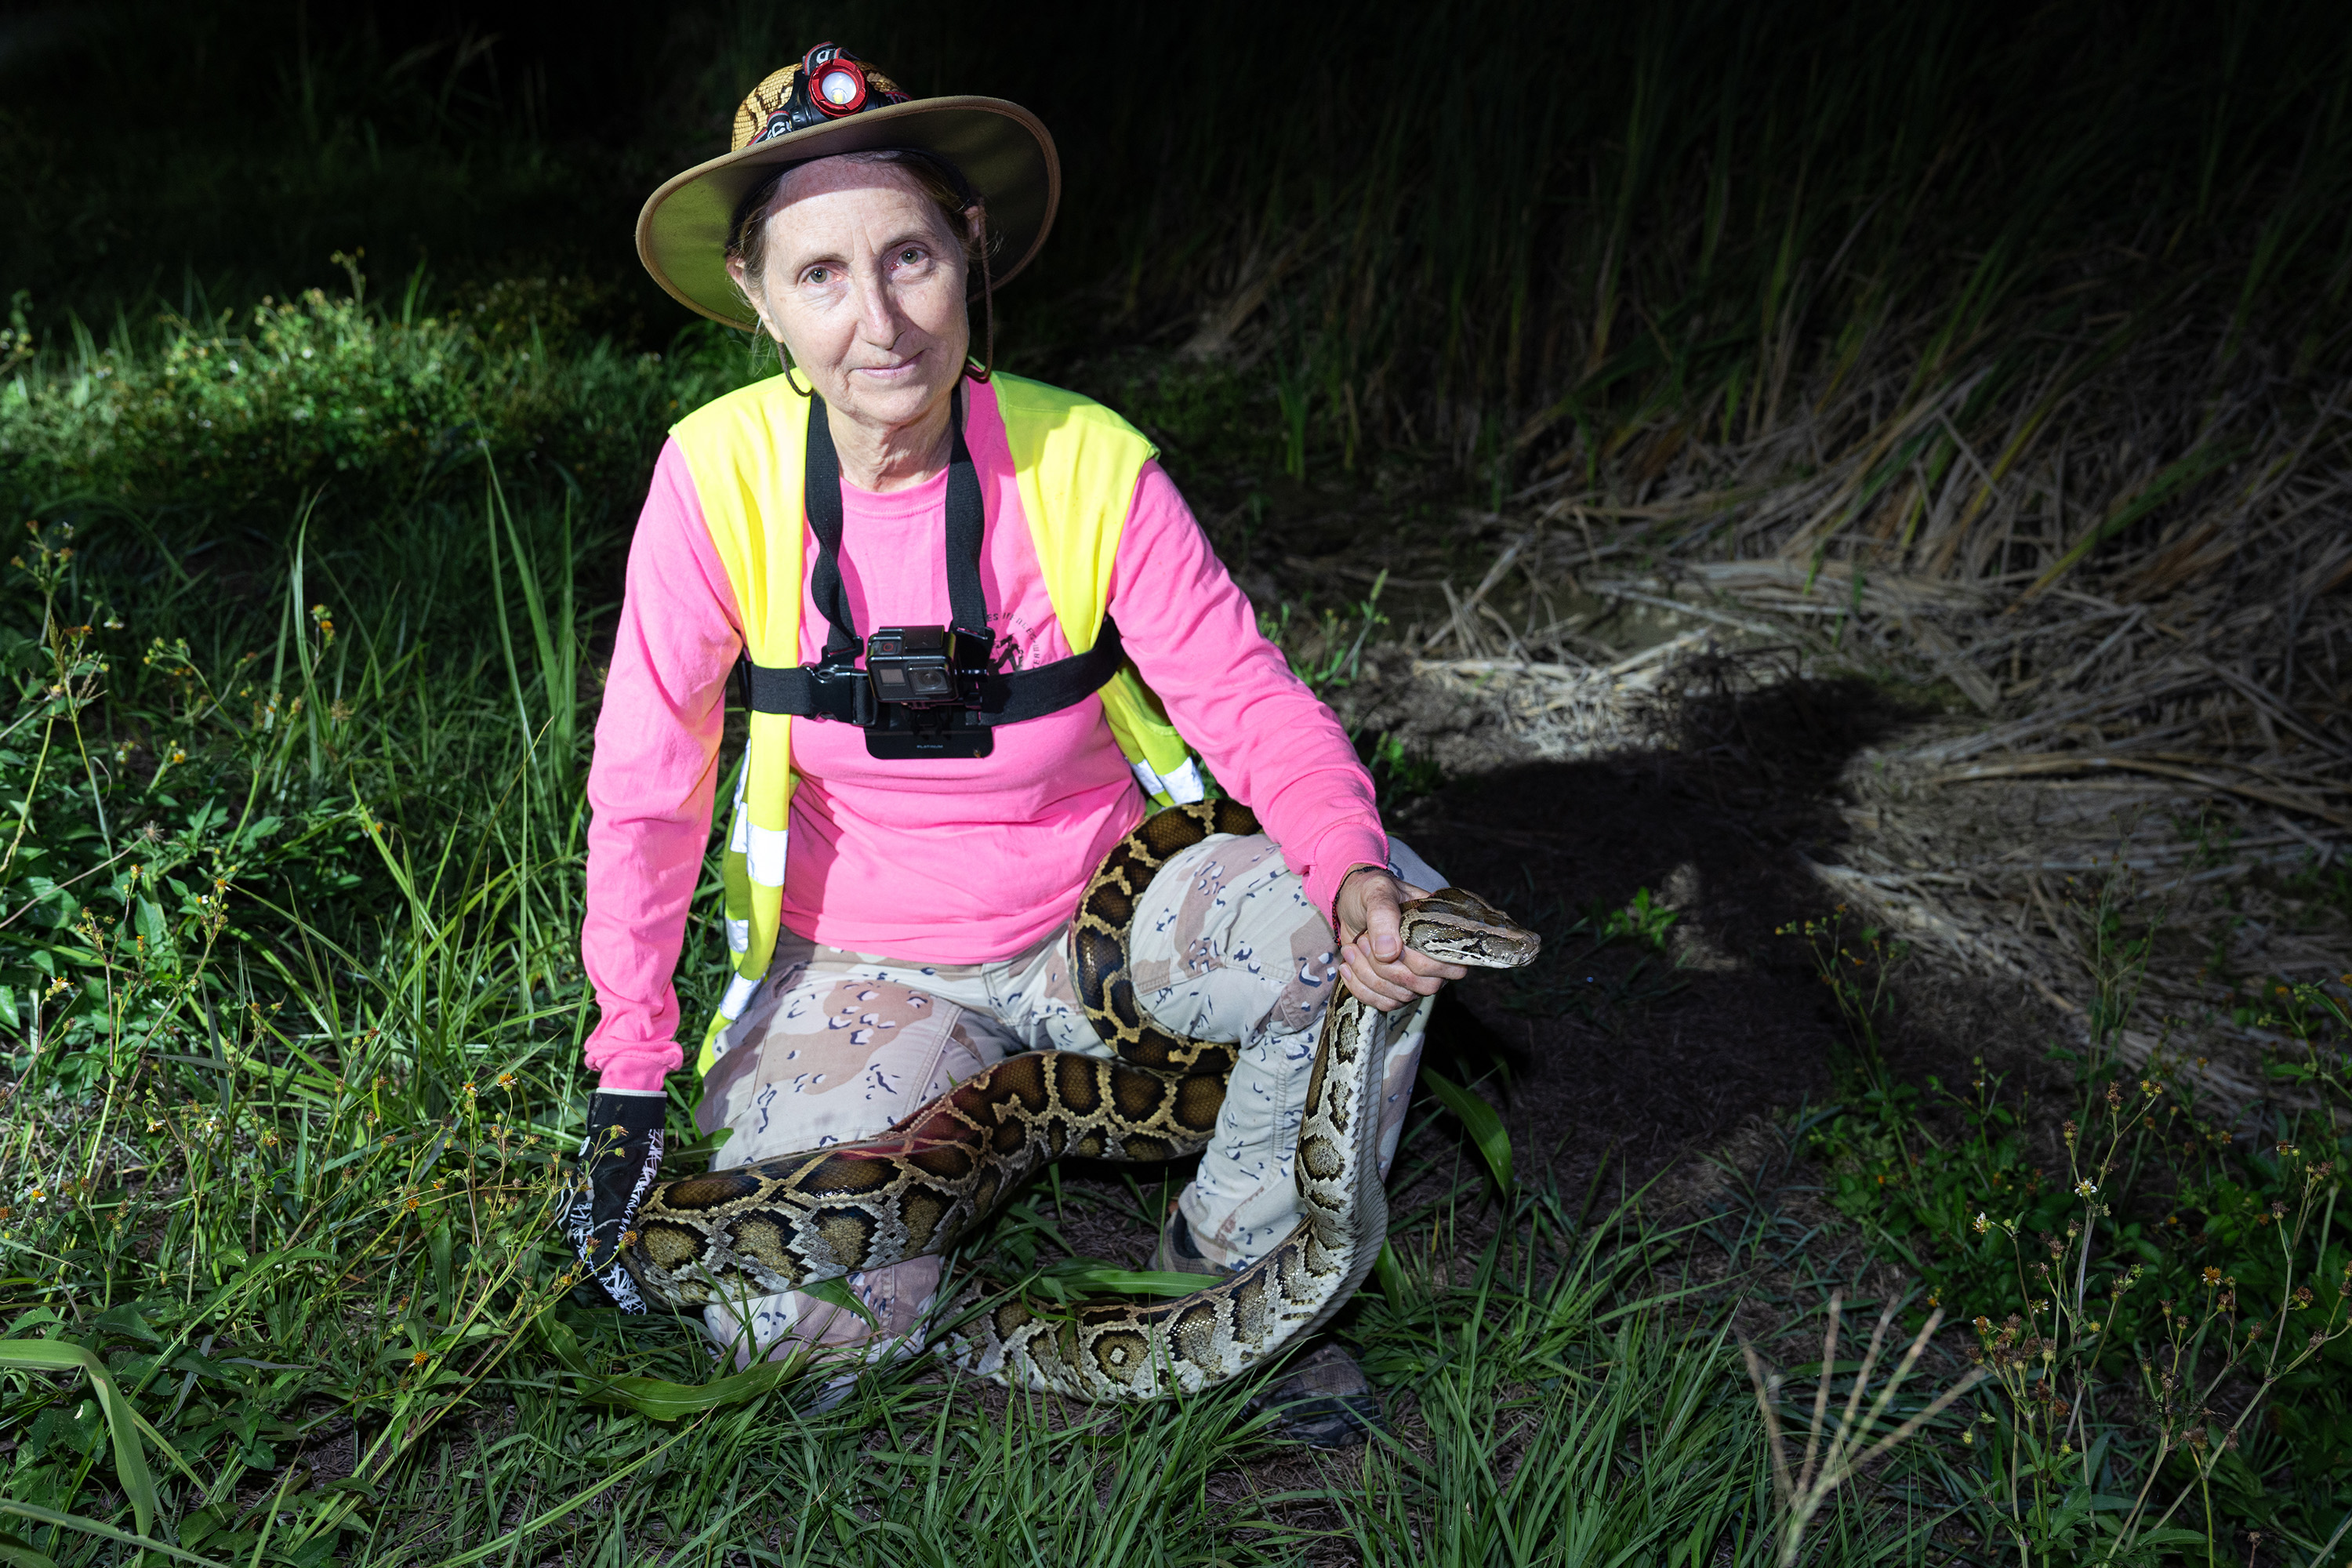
(819, 275)
(908, 257)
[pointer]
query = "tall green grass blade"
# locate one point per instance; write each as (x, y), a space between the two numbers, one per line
(122, 1422)
(17, 1552)
(2168, 481)
(658, 1399)
(104, 1532)
(835, 1292)
(1479, 1119)
(1078, 1277)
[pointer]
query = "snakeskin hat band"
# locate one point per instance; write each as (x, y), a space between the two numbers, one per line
(831, 102)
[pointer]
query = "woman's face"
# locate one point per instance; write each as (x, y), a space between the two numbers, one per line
(864, 285)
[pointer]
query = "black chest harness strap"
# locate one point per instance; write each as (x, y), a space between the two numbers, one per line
(919, 680)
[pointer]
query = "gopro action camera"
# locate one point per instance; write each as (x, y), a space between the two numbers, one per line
(927, 684)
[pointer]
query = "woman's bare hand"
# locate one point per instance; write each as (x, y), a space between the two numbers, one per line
(1373, 958)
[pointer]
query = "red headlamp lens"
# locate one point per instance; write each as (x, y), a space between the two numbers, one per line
(838, 88)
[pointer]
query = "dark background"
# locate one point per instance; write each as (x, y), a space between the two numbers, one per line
(1499, 197)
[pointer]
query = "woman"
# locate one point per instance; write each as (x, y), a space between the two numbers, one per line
(890, 496)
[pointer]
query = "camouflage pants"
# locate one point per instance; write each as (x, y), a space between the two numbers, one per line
(838, 1046)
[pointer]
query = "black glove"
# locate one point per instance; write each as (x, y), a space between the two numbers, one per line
(618, 1161)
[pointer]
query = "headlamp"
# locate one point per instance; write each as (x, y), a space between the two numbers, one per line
(836, 87)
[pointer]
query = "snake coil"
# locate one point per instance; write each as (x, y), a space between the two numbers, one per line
(917, 1188)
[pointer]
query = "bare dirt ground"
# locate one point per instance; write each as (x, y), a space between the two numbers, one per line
(1745, 783)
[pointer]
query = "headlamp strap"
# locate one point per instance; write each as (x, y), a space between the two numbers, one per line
(967, 524)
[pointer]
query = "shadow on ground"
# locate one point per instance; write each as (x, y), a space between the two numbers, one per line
(1635, 1054)
(1644, 1052)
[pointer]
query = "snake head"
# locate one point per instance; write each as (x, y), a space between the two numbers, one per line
(1457, 926)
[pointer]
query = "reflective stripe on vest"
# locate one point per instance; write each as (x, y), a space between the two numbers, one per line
(1075, 464)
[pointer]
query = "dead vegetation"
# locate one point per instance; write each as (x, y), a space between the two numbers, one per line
(2111, 601)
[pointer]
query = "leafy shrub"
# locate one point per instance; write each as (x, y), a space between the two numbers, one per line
(315, 386)
(331, 389)
(114, 877)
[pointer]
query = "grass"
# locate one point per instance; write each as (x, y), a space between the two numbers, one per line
(297, 1055)
(340, 1284)
(303, 646)
(2199, 1373)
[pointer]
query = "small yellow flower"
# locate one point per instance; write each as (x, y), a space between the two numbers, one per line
(2212, 1275)
(419, 1359)
(1981, 1224)
(2086, 1189)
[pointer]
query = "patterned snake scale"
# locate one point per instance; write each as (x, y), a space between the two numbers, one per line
(796, 1219)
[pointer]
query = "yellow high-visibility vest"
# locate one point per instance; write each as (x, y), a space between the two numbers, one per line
(1075, 464)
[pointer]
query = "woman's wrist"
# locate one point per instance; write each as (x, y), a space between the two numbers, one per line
(1340, 891)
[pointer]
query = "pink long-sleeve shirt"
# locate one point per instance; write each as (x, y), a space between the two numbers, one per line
(940, 860)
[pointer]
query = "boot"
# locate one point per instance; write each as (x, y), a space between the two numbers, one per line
(1324, 1400)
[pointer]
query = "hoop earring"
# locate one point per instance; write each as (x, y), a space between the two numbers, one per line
(808, 391)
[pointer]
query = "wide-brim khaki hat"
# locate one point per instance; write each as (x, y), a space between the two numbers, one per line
(831, 102)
